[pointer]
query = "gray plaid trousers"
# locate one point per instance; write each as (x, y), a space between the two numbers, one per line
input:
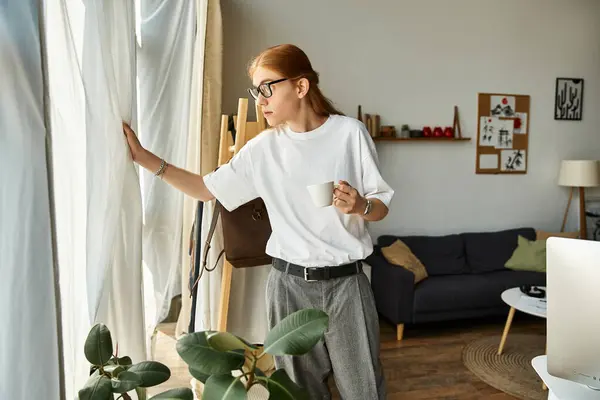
(351, 345)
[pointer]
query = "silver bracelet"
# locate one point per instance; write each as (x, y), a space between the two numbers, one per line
(368, 207)
(163, 164)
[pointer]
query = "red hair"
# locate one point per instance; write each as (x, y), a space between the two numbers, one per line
(292, 63)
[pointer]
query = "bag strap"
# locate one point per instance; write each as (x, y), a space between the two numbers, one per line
(211, 232)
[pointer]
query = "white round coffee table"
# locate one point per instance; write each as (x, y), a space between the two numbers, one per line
(518, 300)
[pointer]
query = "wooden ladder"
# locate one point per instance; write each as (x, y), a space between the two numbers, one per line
(245, 131)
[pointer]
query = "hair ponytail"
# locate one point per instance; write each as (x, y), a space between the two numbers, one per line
(292, 63)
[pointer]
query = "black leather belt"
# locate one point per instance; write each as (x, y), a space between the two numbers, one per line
(311, 274)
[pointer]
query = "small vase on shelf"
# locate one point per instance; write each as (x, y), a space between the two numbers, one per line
(404, 132)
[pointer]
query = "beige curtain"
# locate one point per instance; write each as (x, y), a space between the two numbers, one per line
(205, 117)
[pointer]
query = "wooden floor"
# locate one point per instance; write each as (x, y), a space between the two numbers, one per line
(427, 364)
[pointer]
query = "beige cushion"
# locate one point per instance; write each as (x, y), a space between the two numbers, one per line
(542, 235)
(399, 254)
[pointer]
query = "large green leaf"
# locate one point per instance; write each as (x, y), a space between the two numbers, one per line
(175, 394)
(297, 333)
(151, 373)
(125, 382)
(224, 387)
(194, 349)
(202, 377)
(281, 387)
(225, 341)
(123, 361)
(97, 388)
(98, 346)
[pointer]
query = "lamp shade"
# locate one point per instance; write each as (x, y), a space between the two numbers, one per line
(579, 173)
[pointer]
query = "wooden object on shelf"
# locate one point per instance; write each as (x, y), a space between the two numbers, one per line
(456, 124)
(495, 121)
(388, 131)
(367, 122)
(371, 121)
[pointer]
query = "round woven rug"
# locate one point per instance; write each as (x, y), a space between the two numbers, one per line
(512, 371)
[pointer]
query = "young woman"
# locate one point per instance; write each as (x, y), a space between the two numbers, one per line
(316, 252)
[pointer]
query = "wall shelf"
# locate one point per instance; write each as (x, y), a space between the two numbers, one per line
(421, 139)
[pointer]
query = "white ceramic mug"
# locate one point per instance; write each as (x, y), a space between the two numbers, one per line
(322, 193)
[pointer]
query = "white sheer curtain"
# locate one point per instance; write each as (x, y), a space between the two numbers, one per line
(64, 41)
(165, 77)
(114, 214)
(91, 70)
(28, 338)
(91, 53)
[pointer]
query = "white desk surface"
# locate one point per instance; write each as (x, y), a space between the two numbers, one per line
(562, 389)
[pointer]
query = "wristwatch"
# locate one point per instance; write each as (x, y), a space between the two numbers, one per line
(368, 207)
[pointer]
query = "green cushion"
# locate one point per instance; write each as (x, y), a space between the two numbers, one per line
(530, 255)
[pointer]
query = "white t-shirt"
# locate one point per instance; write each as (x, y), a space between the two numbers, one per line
(278, 165)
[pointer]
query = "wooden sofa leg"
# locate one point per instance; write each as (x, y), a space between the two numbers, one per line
(400, 331)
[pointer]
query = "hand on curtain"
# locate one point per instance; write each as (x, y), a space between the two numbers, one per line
(135, 147)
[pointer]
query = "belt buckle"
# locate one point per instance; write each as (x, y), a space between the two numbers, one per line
(306, 275)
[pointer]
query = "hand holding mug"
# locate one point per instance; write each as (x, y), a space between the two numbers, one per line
(348, 200)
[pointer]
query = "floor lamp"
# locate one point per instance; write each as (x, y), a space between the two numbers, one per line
(579, 174)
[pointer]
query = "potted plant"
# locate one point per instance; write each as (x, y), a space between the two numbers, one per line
(212, 357)
(113, 375)
(405, 131)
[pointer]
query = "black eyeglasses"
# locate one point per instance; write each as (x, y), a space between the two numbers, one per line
(264, 89)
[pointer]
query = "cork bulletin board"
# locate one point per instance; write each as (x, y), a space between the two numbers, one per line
(503, 133)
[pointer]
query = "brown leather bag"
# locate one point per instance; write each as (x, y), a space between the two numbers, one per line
(246, 231)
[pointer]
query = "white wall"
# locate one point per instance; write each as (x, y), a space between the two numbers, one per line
(411, 61)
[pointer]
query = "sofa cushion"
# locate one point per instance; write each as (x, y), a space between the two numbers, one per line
(502, 280)
(489, 251)
(470, 292)
(441, 255)
(399, 254)
(451, 292)
(530, 255)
